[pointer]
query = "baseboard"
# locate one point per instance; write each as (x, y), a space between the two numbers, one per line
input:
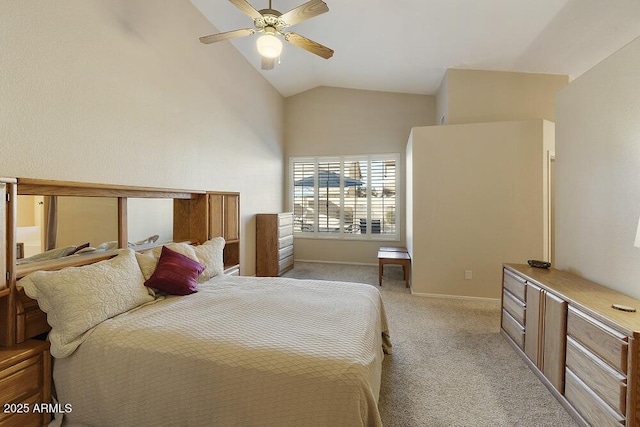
(495, 301)
(334, 262)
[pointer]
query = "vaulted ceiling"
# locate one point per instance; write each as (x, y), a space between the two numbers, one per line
(407, 45)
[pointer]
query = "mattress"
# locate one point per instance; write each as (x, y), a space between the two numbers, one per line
(241, 351)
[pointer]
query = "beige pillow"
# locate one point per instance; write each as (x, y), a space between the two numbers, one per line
(78, 298)
(210, 254)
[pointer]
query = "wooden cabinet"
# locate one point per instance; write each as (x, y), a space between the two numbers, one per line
(25, 383)
(205, 216)
(274, 244)
(545, 330)
(585, 351)
(224, 216)
(554, 339)
(596, 369)
(8, 195)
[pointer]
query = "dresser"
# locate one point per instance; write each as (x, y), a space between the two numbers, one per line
(274, 244)
(582, 348)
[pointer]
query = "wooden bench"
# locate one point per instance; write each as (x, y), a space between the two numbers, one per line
(394, 255)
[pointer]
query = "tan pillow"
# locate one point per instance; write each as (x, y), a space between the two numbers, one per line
(78, 298)
(210, 253)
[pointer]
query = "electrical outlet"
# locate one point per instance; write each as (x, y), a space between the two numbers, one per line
(468, 274)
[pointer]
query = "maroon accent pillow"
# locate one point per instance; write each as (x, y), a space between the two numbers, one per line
(175, 273)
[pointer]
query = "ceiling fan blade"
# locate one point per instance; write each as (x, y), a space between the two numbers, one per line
(228, 35)
(310, 45)
(268, 63)
(244, 6)
(305, 11)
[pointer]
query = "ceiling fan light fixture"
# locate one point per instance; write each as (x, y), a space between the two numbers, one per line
(273, 25)
(269, 46)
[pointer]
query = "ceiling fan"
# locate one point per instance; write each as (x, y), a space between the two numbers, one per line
(273, 24)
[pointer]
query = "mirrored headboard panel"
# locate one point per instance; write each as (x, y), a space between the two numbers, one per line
(57, 219)
(117, 216)
(149, 221)
(48, 223)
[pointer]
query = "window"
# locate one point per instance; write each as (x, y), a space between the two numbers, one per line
(345, 197)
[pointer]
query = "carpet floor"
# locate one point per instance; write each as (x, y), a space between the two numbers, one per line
(450, 365)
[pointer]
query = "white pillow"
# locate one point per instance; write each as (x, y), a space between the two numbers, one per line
(78, 298)
(210, 254)
(149, 259)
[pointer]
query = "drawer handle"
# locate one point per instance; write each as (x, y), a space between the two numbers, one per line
(594, 396)
(513, 275)
(598, 324)
(595, 359)
(514, 298)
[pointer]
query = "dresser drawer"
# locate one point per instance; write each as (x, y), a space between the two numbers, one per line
(285, 231)
(285, 264)
(588, 404)
(285, 252)
(285, 219)
(605, 381)
(513, 306)
(609, 345)
(513, 328)
(24, 419)
(20, 380)
(514, 284)
(285, 241)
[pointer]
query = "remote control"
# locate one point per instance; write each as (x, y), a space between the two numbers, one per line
(539, 264)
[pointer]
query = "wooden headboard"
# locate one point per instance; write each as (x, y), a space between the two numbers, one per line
(197, 216)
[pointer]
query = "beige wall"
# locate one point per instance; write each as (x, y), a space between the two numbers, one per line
(335, 121)
(92, 220)
(26, 208)
(476, 96)
(598, 173)
(477, 202)
(122, 92)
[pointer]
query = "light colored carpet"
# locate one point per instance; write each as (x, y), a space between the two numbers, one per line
(450, 366)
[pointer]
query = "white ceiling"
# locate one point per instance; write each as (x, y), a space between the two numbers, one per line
(406, 45)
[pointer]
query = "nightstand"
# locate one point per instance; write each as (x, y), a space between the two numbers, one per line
(25, 381)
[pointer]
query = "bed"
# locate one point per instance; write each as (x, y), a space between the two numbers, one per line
(238, 351)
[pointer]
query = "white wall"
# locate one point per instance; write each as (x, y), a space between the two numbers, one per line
(122, 92)
(334, 121)
(598, 173)
(477, 201)
(442, 102)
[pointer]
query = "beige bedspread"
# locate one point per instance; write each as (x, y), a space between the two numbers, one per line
(241, 351)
